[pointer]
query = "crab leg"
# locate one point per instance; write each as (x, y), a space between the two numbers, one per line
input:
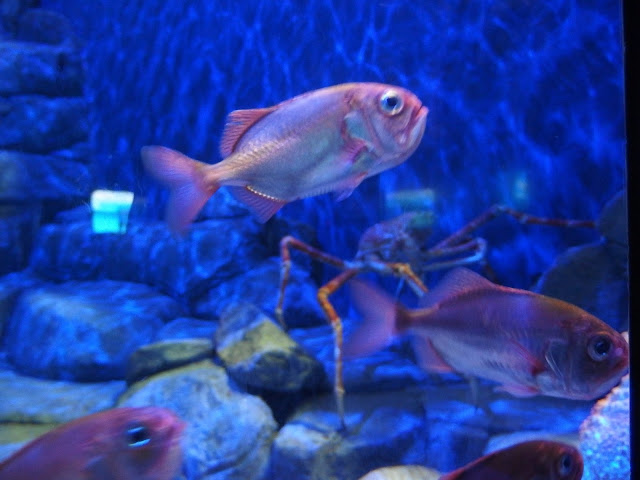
(285, 267)
(336, 325)
(525, 218)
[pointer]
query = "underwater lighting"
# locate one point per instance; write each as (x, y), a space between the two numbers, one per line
(110, 210)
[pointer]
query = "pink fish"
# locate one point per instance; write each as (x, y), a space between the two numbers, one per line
(118, 444)
(529, 343)
(534, 460)
(327, 140)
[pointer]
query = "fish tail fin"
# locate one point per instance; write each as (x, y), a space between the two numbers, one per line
(383, 319)
(186, 180)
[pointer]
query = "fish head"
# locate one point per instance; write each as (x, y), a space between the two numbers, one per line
(531, 460)
(393, 119)
(141, 443)
(589, 364)
(550, 460)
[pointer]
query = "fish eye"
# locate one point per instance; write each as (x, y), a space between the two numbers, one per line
(391, 102)
(599, 348)
(138, 436)
(565, 464)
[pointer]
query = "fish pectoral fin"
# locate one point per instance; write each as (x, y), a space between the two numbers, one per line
(522, 391)
(237, 124)
(349, 187)
(428, 357)
(262, 206)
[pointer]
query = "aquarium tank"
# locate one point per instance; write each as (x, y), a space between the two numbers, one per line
(313, 240)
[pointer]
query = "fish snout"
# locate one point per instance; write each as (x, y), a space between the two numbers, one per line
(417, 125)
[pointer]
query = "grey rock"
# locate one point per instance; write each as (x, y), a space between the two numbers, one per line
(260, 286)
(11, 286)
(14, 435)
(165, 355)
(184, 268)
(186, 327)
(30, 177)
(590, 277)
(382, 430)
(32, 68)
(44, 26)
(229, 433)
(18, 225)
(605, 437)
(62, 122)
(259, 354)
(84, 331)
(31, 400)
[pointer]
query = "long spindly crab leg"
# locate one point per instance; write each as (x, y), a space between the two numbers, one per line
(350, 269)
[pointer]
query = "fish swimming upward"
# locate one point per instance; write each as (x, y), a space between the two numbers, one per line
(119, 444)
(529, 343)
(327, 140)
(534, 460)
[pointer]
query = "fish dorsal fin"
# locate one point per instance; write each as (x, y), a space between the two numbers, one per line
(238, 122)
(457, 282)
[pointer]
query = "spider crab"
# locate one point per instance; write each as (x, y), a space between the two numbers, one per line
(397, 247)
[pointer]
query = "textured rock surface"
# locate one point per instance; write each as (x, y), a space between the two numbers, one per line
(259, 354)
(160, 356)
(259, 285)
(186, 327)
(30, 400)
(381, 431)
(84, 330)
(229, 434)
(605, 437)
(33, 68)
(185, 268)
(32, 178)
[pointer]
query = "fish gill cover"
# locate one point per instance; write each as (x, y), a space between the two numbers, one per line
(525, 99)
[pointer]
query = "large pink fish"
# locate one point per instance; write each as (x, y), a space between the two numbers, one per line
(119, 444)
(534, 460)
(529, 343)
(327, 140)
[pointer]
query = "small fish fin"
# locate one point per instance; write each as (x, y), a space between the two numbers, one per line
(262, 206)
(428, 357)
(522, 391)
(185, 179)
(237, 124)
(346, 191)
(380, 314)
(458, 281)
(530, 363)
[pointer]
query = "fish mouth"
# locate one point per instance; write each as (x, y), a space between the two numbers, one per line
(419, 121)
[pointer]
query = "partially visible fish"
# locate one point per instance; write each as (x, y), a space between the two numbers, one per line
(529, 343)
(119, 444)
(534, 460)
(327, 140)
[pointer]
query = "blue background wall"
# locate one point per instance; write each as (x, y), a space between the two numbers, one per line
(525, 98)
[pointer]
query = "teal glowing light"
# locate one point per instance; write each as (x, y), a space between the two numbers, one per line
(110, 211)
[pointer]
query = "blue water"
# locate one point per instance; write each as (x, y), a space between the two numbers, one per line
(526, 100)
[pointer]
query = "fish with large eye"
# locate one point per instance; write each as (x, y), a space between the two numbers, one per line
(528, 343)
(123, 443)
(533, 460)
(327, 140)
